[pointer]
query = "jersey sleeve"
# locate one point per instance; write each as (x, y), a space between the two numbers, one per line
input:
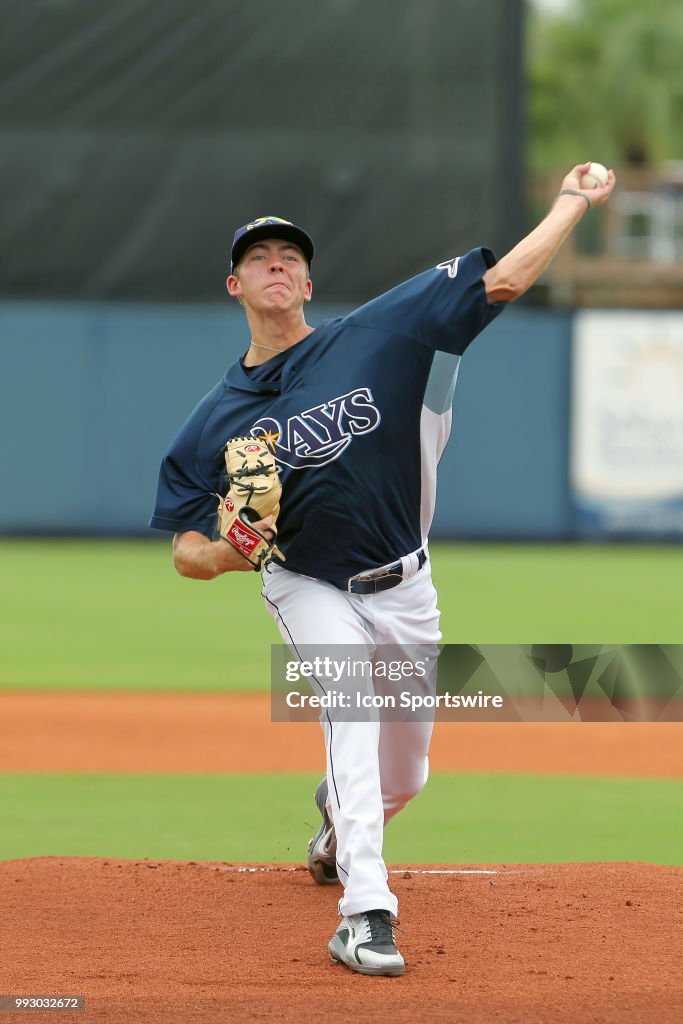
(444, 308)
(186, 498)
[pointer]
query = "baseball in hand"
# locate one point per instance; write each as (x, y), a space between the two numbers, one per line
(595, 177)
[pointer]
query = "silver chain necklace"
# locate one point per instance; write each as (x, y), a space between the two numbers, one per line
(268, 348)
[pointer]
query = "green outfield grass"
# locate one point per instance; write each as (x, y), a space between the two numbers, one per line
(459, 819)
(90, 614)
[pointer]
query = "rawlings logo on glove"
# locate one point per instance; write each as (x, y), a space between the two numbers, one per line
(254, 493)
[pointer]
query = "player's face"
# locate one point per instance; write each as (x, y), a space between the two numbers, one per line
(272, 277)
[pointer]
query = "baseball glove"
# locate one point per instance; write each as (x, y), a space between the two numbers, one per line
(254, 491)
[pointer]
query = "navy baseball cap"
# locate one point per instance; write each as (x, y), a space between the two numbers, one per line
(270, 227)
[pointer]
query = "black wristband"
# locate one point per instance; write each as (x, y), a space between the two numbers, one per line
(573, 192)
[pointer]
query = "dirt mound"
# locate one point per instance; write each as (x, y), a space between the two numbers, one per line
(173, 943)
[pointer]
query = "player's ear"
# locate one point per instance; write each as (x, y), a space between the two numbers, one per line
(308, 290)
(233, 286)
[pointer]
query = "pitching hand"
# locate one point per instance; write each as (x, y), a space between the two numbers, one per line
(597, 196)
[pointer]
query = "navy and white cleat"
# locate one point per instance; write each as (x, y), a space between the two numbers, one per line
(365, 943)
(322, 848)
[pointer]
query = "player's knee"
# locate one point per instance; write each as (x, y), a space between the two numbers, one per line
(395, 800)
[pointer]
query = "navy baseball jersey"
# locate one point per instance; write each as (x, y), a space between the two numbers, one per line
(357, 415)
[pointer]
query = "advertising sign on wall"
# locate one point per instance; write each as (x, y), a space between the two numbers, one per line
(627, 423)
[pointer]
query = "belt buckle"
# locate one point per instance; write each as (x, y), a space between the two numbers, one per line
(389, 572)
(373, 578)
(379, 574)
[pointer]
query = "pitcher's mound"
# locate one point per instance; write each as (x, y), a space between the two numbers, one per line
(172, 943)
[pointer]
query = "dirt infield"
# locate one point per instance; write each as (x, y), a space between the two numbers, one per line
(138, 732)
(173, 943)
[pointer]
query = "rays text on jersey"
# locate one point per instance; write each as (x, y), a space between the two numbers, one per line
(320, 434)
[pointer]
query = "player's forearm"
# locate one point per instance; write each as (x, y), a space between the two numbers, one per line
(522, 266)
(198, 558)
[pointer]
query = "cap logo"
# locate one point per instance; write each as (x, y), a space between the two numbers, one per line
(266, 220)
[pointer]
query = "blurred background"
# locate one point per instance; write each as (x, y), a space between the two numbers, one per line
(135, 138)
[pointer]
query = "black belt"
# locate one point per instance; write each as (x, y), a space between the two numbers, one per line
(375, 583)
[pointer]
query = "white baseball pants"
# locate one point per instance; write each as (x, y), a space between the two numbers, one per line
(373, 767)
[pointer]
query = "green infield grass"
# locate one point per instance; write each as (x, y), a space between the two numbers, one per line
(114, 614)
(458, 819)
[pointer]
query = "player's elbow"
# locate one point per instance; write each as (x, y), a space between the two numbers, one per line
(506, 287)
(182, 566)
(190, 557)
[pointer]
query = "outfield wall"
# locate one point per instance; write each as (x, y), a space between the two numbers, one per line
(92, 395)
